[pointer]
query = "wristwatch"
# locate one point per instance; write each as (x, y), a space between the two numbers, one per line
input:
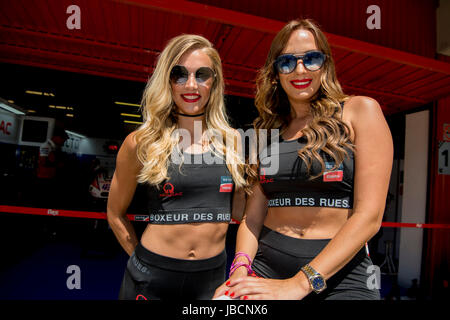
(316, 280)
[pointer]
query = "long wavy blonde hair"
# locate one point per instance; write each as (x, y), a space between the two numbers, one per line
(326, 131)
(157, 137)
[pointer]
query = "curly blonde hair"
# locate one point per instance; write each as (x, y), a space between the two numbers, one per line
(157, 136)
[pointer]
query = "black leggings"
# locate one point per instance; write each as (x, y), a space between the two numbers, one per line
(150, 276)
(281, 257)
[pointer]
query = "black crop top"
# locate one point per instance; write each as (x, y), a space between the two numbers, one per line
(202, 192)
(290, 187)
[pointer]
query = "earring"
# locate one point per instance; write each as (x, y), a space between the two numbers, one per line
(274, 84)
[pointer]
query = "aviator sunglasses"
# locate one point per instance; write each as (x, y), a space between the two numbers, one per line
(287, 63)
(180, 75)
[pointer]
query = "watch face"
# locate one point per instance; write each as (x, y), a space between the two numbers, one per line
(317, 283)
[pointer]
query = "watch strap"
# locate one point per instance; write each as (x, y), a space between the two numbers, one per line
(309, 270)
(311, 273)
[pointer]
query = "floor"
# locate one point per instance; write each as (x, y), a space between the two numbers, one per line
(38, 253)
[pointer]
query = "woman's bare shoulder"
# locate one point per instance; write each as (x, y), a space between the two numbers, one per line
(130, 141)
(128, 150)
(357, 106)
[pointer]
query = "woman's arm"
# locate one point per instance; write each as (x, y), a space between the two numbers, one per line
(239, 198)
(248, 232)
(123, 186)
(252, 222)
(373, 164)
(238, 207)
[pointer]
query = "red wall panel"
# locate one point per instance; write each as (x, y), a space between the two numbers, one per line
(407, 25)
(437, 254)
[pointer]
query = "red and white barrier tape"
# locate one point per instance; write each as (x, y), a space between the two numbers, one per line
(415, 225)
(138, 217)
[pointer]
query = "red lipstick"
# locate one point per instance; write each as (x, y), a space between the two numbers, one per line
(190, 98)
(301, 84)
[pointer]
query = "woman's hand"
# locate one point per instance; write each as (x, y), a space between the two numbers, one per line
(253, 288)
(224, 289)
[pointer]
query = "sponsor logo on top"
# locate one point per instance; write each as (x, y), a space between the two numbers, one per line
(226, 184)
(141, 218)
(169, 191)
(337, 175)
(262, 177)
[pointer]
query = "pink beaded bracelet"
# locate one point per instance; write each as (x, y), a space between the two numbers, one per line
(238, 254)
(238, 265)
(235, 265)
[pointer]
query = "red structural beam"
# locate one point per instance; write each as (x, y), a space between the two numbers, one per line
(77, 69)
(272, 26)
(377, 92)
(211, 13)
(139, 72)
(33, 34)
(62, 58)
(12, 32)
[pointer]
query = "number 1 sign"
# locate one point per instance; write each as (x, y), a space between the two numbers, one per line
(444, 154)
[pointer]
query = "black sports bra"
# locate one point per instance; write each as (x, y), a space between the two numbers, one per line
(289, 186)
(202, 192)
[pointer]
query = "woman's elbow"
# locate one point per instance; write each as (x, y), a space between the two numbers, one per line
(111, 214)
(375, 228)
(375, 222)
(110, 217)
(370, 221)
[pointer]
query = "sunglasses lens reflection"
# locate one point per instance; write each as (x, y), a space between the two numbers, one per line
(312, 61)
(286, 64)
(180, 74)
(203, 74)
